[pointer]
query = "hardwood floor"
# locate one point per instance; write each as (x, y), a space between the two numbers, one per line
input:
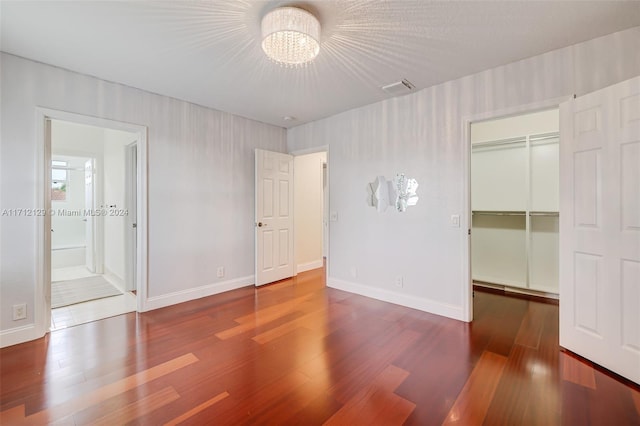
(298, 353)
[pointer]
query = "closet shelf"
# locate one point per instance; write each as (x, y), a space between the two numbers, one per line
(498, 213)
(513, 213)
(502, 142)
(554, 214)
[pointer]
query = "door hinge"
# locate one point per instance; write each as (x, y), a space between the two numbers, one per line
(468, 231)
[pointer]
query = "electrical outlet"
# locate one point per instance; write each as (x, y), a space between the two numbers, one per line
(220, 271)
(399, 281)
(333, 216)
(19, 311)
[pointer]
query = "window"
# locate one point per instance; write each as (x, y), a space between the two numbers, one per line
(59, 180)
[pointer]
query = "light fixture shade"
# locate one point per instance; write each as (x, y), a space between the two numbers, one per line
(290, 36)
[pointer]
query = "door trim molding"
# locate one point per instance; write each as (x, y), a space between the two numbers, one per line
(98, 225)
(131, 186)
(43, 115)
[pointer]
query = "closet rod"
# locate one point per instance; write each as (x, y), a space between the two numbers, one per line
(544, 214)
(496, 213)
(521, 139)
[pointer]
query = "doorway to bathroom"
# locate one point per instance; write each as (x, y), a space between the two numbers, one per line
(93, 221)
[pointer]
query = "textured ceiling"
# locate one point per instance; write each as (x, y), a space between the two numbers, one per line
(209, 52)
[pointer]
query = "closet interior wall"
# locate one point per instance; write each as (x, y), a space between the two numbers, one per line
(514, 201)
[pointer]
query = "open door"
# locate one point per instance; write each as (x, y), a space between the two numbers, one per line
(600, 227)
(89, 205)
(131, 222)
(274, 216)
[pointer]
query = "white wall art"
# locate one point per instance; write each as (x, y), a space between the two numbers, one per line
(399, 192)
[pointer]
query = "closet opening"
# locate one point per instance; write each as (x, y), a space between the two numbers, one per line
(514, 189)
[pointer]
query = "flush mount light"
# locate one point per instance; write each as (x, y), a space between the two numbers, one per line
(290, 36)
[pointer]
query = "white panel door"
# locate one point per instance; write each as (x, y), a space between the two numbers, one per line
(600, 227)
(131, 222)
(274, 216)
(89, 197)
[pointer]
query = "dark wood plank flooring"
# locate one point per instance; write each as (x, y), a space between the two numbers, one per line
(299, 353)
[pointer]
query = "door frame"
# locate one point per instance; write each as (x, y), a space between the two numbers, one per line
(43, 116)
(98, 223)
(130, 193)
(314, 150)
(465, 234)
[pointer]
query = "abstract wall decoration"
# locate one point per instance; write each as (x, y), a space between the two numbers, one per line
(400, 193)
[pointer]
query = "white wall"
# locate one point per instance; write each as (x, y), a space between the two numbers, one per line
(308, 207)
(114, 195)
(422, 135)
(200, 174)
(76, 139)
(499, 177)
(547, 121)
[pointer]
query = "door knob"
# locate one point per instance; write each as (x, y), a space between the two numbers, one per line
(260, 224)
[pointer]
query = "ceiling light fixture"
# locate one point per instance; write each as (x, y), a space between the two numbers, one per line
(290, 36)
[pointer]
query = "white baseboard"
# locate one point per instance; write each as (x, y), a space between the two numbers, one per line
(302, 267)
(157, 302)
(422, 304)
(114, 279)
(22, 334)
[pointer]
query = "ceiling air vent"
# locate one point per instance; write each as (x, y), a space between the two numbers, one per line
(399, 88)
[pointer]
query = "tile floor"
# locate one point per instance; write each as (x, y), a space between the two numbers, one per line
(81, 313)
(70, 273)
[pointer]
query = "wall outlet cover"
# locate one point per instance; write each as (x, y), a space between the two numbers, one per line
(19, 311)
(399, 281)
